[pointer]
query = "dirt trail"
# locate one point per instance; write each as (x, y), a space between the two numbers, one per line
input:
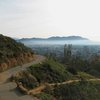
(42, 87)
(8, 89)
(4, 76)
(37, 90)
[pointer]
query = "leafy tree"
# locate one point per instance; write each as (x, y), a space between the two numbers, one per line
(67, 53)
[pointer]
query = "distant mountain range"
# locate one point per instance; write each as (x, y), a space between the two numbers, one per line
(67, 38)
(54, 38)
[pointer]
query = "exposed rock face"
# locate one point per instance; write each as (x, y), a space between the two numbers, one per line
(14, 61)
(13, 53)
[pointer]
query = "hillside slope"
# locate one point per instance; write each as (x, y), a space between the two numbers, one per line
(50, 80)
(13, 53)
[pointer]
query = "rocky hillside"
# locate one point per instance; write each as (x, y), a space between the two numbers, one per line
(13, 53)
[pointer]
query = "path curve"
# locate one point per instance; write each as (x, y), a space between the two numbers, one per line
(7, 89)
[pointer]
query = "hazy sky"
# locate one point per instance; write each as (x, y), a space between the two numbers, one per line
(44, 18)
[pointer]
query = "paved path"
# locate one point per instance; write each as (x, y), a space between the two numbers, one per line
(8, 89)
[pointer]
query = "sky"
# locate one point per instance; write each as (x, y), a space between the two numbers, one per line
(45, 18)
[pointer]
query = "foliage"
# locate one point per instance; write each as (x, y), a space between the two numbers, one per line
(49, 71)
(85, 75)
(27, 80)
(72, 70)
(44, 96)
(77, 91)
(9, 48)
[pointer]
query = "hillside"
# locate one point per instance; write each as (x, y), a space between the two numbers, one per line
(50, 71)
(13, 53)
(50, 80)
(46, 72)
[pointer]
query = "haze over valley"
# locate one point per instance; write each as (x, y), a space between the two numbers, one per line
(49, 71)
(56, 40)
(49, 49)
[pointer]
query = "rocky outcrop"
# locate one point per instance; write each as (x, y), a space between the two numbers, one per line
(15, 61)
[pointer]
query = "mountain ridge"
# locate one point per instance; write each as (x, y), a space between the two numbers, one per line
(56, 38)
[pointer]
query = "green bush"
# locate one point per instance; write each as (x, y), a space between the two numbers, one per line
(50, 71)
(44, 96)
(77, 91)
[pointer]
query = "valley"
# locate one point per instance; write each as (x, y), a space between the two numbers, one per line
(48, 72)
(49, 49)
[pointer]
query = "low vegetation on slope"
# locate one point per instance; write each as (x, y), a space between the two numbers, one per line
(45, 72)
(70, 87)
(13, 53)
(74, 79)
(50, 71)
(26, 79)
(82, 90)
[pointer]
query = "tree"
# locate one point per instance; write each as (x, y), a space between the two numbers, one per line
(67, 52)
